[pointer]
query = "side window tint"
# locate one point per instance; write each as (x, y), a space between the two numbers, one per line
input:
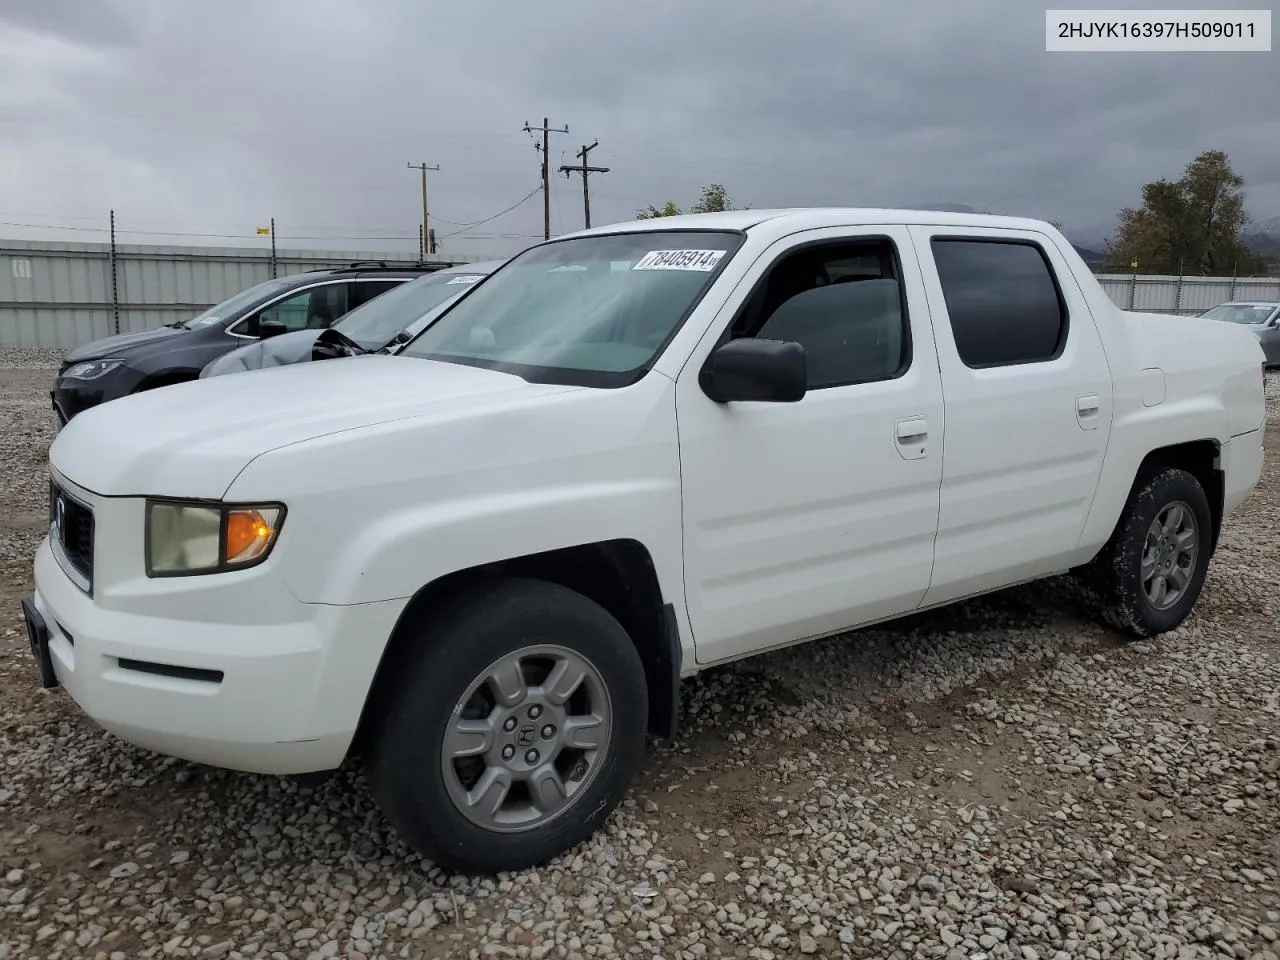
(312, 309)
(1003, 301)
(362, 291)
(843, 303)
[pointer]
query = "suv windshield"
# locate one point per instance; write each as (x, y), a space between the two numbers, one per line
(1239, 313)
(230, 308)
(591, 311)
(375, 323)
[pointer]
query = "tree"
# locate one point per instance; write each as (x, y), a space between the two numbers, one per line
(1191, 224)
(668, 210)
(713, 199)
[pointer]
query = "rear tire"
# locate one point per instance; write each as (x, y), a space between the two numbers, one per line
(511, 729)
(1150, 573)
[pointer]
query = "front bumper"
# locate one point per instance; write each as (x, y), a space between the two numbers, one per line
(1271, 350)
(235, 675)
(71, 396)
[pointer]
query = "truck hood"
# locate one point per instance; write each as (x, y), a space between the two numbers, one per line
(121, 345)
(193, 439)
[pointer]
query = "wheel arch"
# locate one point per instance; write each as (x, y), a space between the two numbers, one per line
(617, 574)
(1200, 458)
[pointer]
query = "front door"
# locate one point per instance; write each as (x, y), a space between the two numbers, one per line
(802, 519)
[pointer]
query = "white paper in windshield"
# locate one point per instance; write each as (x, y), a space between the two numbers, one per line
(208, 320)
(468, 278)
(700, 260)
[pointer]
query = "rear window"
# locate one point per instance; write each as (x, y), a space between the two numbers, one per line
(1003, 301)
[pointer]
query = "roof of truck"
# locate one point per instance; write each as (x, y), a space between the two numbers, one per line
(801, 217)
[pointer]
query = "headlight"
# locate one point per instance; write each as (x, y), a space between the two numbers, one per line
(191, 538)
(92, 369)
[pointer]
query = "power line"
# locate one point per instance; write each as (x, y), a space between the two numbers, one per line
(546, 171)
(583, 169)
(466, 227)
(250, 236)
(522, 200)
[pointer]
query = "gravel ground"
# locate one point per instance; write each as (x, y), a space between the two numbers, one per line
(1003, 779)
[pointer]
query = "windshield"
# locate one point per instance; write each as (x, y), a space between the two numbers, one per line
(592, 311)
(373, 324)
(1239, 313)
(230, 308)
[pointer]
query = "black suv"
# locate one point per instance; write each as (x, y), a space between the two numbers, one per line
(130, 362)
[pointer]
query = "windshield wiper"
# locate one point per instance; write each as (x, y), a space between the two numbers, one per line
(400, 338)
(332, 342)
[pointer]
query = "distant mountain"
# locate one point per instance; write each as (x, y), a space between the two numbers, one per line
(1093, 237)
(1263, 236)
(1094, 259)
(1090, 241)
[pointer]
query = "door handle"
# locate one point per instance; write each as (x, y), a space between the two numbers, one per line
(913, 430)
(1087, 412)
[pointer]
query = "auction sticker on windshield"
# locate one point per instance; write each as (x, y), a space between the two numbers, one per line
(703, 260)
(469, 278)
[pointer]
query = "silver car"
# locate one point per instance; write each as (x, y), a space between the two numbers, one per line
(380, 326)
(1261, 315)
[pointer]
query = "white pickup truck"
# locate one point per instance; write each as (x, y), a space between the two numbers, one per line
(484, 564)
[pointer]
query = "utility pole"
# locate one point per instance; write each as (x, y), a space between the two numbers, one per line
(583, 169)
(546, 170)
(115, 280)
(422, 244)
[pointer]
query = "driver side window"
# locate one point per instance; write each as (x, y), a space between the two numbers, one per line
(312, 309)
(843, 302)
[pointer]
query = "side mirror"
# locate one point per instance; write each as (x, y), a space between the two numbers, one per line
(271, 328)
(749, 369)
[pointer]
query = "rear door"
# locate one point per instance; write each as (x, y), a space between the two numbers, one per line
(1028, 401)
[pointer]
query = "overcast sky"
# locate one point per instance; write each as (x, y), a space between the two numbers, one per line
(204, 117)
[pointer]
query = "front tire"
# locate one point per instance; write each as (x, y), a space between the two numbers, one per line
(512, 730)
(1150, 573)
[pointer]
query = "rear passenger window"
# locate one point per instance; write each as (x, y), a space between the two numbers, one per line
(843, 302)
(1003, 300)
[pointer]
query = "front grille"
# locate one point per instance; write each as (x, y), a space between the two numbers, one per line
(71, 525)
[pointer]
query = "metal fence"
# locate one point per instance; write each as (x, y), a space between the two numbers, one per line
(61, 295)
(1187, 296)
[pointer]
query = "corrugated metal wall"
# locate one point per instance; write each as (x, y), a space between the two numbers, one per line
(59, 295)
(1185, 295)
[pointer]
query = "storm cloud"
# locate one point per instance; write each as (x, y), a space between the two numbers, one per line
(209, 118)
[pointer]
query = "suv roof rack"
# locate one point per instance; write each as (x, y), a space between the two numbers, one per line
(390, 265)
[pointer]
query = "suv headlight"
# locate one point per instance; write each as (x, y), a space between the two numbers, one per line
(92, 369)
(190, 538)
